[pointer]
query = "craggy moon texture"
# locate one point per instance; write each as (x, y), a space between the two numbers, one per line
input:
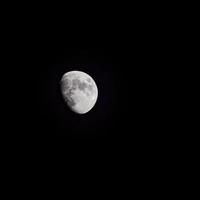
(79, 91)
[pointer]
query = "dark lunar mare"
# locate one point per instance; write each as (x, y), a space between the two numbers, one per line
(80, 84)
(90, 88)
(88, 80)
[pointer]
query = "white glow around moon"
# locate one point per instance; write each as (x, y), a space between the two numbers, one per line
(79, 91)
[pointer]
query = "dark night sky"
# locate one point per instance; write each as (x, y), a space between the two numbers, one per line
(123, 58)
(122, 76)
(122, 108)
(111, 110)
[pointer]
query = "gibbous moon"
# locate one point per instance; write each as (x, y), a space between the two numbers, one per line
(79, 91)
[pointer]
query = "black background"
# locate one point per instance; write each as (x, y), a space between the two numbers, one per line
(122, 50)
(128, 51)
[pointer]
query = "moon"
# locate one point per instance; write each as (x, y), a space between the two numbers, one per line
(79, 91)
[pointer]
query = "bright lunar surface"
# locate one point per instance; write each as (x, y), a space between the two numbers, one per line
(79, 91)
